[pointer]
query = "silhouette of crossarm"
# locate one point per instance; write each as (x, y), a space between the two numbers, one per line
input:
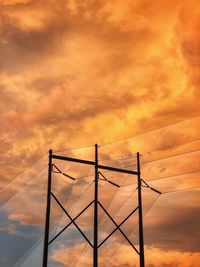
(71, 221)
(118, 228)
(88, 162)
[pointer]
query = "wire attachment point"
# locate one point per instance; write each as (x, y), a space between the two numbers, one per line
(153, 189)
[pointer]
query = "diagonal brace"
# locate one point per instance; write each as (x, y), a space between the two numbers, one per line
(105, 179)
(59, 171)
(73, 220)
(118, 228)
(153, 189)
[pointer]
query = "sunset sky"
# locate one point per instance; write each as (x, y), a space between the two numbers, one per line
(78, 72)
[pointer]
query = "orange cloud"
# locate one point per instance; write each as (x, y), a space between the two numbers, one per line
(74, 73)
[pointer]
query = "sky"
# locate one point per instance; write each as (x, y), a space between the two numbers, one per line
(75, 73)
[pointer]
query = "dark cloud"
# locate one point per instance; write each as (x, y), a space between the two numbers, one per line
(190, 41)
(176, 225)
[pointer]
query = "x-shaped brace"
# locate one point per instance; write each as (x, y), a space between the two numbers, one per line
(118, 228)
(72, 221)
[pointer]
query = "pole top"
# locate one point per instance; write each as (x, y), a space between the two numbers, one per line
(96, 145)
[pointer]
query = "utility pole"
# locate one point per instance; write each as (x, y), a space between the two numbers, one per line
(48, 208)
(95, 249)
(97, 167)
(141, 237)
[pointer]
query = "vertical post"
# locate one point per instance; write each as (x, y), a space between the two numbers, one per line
(47, 222)
(95, 250)
(141, 237)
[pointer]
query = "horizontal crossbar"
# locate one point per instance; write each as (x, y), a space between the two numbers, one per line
(88, 162)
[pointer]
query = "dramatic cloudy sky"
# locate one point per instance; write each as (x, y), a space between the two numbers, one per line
(74, 73)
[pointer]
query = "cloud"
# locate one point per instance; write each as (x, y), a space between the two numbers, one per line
(126, 257)
(74, 73)
(171, 222)
(189, 40)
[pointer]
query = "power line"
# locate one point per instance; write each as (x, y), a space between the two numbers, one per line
(171, 176)
(184, 153)
(69, 150)
(110, 202)
(21, 187)
(103, 216)
(194, 188)
(180, 154)
(180, 190)
(165, 177)
(175, 146)
(147, 162)
(171, 124)
(134, 155)
(133, 229)
(160, 178)
(59, 221)
(86, 188)
(18, 176)
(80, 148)
(153, 203)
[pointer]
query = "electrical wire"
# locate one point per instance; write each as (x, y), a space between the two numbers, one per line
(165, 177)
(150, 162)
(133, 229)
(65, 206)
(180, 154)
(55, 229)
(74, 149)
(24, 257)
(81, 193)
(121, 158)
(30, 166)
(79, 148)
(147, 162)
(85, 247)
(21, 187)
(171, 176)
(132, 165)
(180, 190)
(163, 158)
(129, 156)
(149, 208)
(82, 254)
(76, 201)
(173, 191)
(171, 124)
